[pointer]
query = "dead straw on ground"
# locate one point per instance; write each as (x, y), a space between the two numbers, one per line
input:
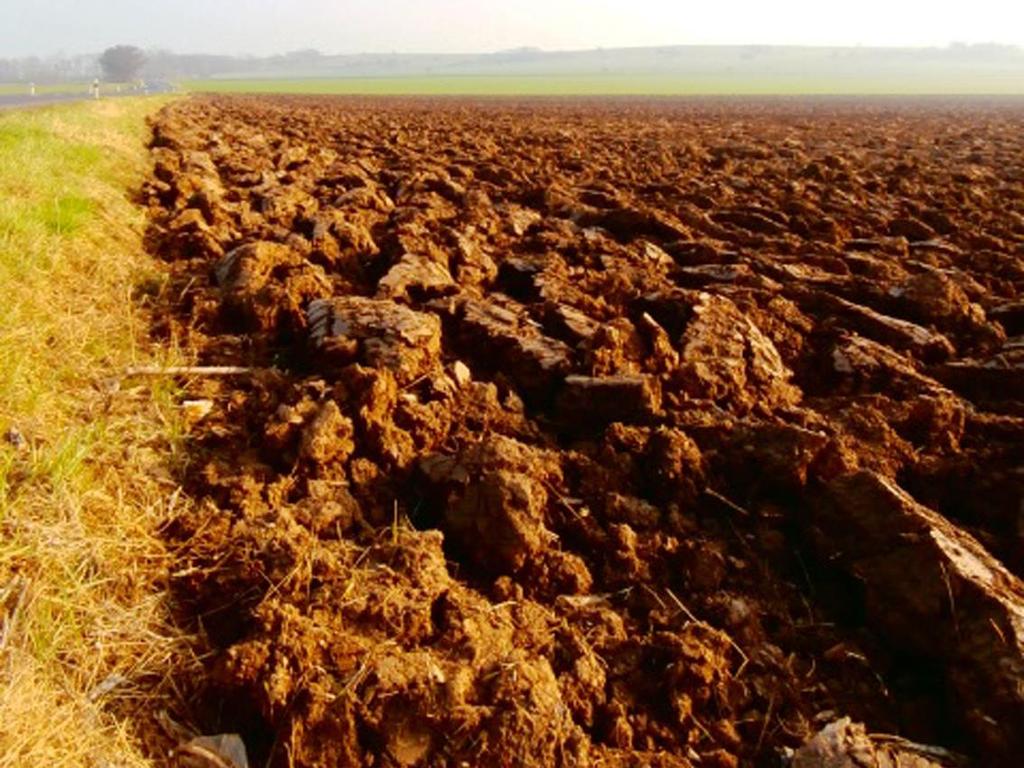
(89, 651)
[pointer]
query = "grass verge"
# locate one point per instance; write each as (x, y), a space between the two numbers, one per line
(87, 643)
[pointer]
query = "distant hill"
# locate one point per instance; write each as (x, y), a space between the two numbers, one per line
(953, 69)
(991, 69)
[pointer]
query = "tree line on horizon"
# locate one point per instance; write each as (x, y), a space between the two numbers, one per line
(122, 63)
(126, 62)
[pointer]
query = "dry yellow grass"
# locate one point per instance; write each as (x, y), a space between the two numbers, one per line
(87, 460)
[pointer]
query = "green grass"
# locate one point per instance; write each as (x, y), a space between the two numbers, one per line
(66, 214)
(81, 499)
(606, 85)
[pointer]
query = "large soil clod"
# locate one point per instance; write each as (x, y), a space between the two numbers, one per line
(636, 434)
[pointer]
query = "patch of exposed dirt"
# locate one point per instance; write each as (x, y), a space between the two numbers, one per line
(635, 434)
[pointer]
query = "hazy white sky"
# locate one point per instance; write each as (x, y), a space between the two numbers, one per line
(349, 26)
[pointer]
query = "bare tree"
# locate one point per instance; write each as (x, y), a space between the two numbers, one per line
(122, 63)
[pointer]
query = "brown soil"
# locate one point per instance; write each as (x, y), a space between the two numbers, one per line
(624, 434)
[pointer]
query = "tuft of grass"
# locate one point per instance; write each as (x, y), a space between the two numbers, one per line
(63, 215)
(88, 646)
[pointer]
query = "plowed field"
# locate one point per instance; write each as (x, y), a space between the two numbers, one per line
(608, 434)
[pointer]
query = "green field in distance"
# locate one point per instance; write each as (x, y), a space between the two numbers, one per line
(604, 85)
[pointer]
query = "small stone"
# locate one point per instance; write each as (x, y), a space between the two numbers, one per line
(460, 371)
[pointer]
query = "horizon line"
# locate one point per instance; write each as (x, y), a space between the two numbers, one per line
(951, 45)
